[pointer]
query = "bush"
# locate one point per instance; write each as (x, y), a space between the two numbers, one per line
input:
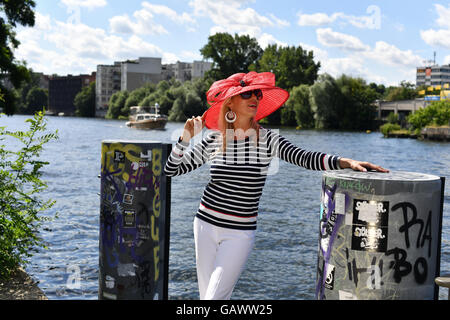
(20, 185)
(392, 118)
(388, 128)
(437, 113)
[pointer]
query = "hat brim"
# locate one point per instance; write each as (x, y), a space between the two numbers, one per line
(273, 99)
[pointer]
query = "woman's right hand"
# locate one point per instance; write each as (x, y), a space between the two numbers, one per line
(192, 127)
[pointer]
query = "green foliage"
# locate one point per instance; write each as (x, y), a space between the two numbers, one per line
(406, 91)
(292, 66)
(20, 186)
(299, 101)
(12, 13)
(325, 100)
(230, 54)
(357, 110)
(37, 99)
(437, 113)
(392, 118)
(388, 128)
(345, 103)
(186, 104)
(84, 101)
(177, 100)
(117, 105)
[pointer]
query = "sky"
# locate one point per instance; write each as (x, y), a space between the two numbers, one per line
(380, 41)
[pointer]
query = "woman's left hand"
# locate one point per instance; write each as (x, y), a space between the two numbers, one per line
(360, 165)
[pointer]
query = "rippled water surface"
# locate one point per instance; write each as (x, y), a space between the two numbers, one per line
(284, 260)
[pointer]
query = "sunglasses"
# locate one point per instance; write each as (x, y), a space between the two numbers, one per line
(248, 94)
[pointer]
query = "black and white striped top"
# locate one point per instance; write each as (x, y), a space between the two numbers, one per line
(231, 198)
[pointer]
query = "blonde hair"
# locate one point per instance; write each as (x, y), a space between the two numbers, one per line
(227, 128)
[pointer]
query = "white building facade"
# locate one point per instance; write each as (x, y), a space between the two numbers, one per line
(433, 75)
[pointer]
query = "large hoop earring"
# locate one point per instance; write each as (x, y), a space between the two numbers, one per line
(230, 116)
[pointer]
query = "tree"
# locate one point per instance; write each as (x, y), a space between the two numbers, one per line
(20, 185)
(299, 101)
(116, 105)
(357, 110)
(325, 100)
(23, 90)
(12, 13)
(186, 104)
(84, 101)
(292, 66)
(36, 100)
(406, 91)
(437, 113)
(380, 89)
(230, 54)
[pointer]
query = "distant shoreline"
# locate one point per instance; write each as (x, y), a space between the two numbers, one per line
(441, 134)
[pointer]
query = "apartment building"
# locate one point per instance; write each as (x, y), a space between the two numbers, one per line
(108, 82)
(62, 91)
(136, 73)
(132, 74)
(433, 75)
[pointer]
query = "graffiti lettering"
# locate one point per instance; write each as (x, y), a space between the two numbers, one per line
(156, 169)
(408, 223)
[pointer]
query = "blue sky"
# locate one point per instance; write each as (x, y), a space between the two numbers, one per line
(380, 41)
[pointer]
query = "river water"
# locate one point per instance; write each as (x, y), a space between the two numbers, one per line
(284, 261)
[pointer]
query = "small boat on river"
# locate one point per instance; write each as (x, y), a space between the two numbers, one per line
(146, 118)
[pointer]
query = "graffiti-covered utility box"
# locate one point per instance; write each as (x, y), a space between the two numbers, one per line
(134, 221)
(380, 235)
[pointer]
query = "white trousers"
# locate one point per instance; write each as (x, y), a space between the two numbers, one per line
(221, 255)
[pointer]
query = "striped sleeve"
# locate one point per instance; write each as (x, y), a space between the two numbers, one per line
(182, 161)
(311, 160)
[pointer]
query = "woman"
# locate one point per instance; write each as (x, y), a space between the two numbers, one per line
(240, 151)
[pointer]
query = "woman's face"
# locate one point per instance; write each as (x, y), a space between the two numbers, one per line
(244, 107)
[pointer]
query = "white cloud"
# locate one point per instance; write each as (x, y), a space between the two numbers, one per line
(444, 16)
(267, 39)
(370, 21)
(78, 48)
(389, 54)
(279, 22)
(447, 60)
(190, 56)
(168, 58)
(440, 37)
(316, 19)
(90, 4)
(230, 16)
(143, 22)
(169, 13)
(319, 54)
(330, 38)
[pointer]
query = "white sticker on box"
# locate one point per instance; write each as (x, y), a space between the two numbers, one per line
(345, 295)
(339, 203)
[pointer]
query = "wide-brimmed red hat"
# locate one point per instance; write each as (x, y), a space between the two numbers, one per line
(273, 97)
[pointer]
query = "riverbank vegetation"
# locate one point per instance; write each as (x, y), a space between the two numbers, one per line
(436, 115)
(21, 206)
